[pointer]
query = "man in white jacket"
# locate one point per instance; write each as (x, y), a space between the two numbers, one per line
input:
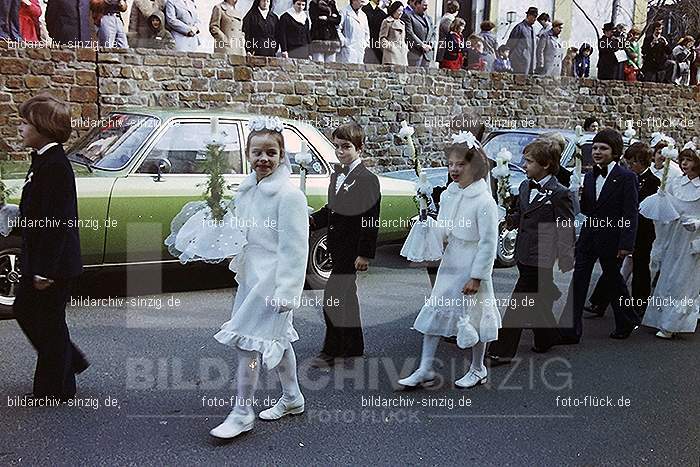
(550, 52)
(354, 33)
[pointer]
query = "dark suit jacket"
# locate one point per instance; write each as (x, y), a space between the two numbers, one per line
(69, 20)
(545, 228)
(49, 197)
(352, 217)
(613, 218)
(648, 185)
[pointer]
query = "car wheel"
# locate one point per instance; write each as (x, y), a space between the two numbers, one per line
(10, 249)
(505, 255)
(319, 266)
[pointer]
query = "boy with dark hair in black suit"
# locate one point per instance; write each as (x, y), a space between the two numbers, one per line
(610, 202)
(352, 219)
(50, 254)
(544, 217)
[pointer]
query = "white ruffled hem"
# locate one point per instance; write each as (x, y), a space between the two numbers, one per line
(424, 242)
(271, 350)
(436, 321)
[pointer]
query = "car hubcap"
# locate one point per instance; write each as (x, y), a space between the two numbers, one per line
(9, 276)
(506, 248)
(322, 259)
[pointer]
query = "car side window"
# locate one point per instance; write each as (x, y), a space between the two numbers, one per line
(292, 146)
(183, 148)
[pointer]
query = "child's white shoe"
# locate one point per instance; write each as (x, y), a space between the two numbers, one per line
(418, 378)
(234, 425)
(471, 379)
(282, 408)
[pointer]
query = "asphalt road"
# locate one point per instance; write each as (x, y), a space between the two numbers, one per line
(158, 383)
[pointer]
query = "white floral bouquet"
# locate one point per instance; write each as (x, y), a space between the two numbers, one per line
(658, 207)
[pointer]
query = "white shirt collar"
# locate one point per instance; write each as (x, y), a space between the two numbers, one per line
(354, 164)
(264, 13)
(46, 148)
(685, 180)
(544, 181)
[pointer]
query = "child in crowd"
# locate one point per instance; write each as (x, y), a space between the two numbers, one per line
(502, 62)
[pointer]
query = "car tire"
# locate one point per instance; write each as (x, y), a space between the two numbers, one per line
(10, 249)
(318, 267)
(505, 253)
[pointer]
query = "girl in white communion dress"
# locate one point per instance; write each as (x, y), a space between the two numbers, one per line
(462, 302)
(271, 271)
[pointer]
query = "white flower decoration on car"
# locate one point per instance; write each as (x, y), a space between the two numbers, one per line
(465, 137)
(406, 130)
(670, 152)
(266, 123)
(504, 155)
(303, 158)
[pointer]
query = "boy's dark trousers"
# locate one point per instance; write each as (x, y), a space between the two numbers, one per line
(341, 312)
(536, 284)
(42, 316)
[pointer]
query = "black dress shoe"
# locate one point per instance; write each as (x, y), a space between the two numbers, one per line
(595, 311)
(622, 335)
(540, 349)
(322, 361)
(494, 360)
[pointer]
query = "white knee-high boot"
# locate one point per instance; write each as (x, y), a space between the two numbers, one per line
(242, 416)
(424, 374)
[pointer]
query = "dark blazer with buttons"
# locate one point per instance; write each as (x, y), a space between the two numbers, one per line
(545, 227)
(613, 217)
(352, 217)
(49, 196)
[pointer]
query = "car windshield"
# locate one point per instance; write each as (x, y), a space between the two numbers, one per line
(513, 142)
(112, 145)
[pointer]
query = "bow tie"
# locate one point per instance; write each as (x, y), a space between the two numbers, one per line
(535, 186)
(340, 169)
(602, 171)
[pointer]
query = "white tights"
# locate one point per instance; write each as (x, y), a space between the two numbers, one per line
(430, 344)
(249, 366)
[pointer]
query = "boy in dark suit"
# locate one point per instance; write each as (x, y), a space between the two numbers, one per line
(610, 202)
(638, 158)
(352, 219)
(544, 217)
(50, 247)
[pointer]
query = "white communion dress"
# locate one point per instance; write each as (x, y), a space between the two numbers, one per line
(271, 269)
(468, 221)
(675, 302)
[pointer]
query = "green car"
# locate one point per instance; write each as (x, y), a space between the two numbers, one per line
(139, 167)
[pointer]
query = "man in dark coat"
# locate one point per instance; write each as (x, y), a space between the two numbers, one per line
(51, 259)
(521, 43)
(658, 66)
(69, 21)
(607, 46)
(375, 16)
(9, 20)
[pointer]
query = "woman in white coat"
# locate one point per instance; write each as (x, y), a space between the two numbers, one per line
(675, 303)
(462, 302)
(354, 33)
(271, 271)
(182, 21)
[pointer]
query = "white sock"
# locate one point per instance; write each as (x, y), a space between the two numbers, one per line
(478, 352)
(430, 344)
(247, 380)
(287, 372)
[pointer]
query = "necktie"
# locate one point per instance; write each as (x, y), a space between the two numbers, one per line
(340, 169)
(602, 171)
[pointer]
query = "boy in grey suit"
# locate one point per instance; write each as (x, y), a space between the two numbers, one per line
(544, 217)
